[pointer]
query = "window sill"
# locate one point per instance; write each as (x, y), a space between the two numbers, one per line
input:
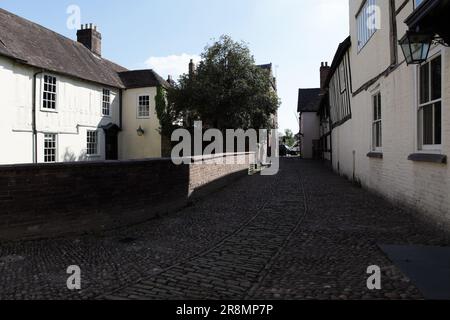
(428, 157)
(49, 110)
(375, 155)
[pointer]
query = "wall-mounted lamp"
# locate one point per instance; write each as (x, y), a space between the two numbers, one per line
(140, 131)
(416, 46)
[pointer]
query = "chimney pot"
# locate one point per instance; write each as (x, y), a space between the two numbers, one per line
(324, 71)
(90, 38)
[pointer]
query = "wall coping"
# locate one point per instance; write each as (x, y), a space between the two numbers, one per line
(82, 164)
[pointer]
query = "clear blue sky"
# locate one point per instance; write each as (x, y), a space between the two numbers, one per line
(295, 35)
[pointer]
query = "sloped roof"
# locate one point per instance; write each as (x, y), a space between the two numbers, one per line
(309, 100)
(266, 66)
(40, 47)
(340, 53)
(142, 78)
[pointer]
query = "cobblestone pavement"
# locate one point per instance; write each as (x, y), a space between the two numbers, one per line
(303, 234)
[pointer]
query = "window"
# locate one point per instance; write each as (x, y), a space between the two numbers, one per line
(342, 83)
(417, 3)
(49, 96)
(430, 104)
(144, 107)
(367, 22)
(50, 148)
(106, 108)
(377, 128)
(92, 139)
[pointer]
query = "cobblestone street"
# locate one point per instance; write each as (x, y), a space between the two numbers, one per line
(303, 234)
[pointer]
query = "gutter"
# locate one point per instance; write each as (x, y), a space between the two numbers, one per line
(33, 117)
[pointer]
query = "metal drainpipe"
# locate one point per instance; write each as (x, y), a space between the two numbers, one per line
(33, 117)
(120, 107)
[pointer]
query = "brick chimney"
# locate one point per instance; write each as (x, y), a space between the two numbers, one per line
(191, 68)
(90, 38)
(324, 71)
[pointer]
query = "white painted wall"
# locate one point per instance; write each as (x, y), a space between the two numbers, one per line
(79, 108)
(418, 185)
(131, 145)
(310, 128)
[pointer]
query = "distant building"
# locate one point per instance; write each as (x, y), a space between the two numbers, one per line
(309, 119)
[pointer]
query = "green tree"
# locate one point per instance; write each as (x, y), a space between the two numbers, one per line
(289, 138)
(227, 91)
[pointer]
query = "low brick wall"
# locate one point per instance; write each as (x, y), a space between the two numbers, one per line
(49, 200)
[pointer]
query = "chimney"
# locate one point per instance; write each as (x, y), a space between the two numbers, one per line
(324, 71)
(170, 80)
(191, 68)
(89, 36)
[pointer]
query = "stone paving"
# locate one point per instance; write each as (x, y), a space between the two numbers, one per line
(303, 234)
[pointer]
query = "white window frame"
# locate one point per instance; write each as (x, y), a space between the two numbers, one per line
(92, 145)
(377, 121)
(106, 102)
(363, 32)
(138, 111)
(43, 91)
(55, 148)
(434, 148)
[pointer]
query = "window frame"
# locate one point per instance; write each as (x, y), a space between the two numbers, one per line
(421, 147)
(364, 34)
(106, 102)
(43, 91)
(138, 111)
(88, 142)
(376, 98)
(55, 148)
(342, 77)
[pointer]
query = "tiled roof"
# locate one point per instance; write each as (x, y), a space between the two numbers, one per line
(142, 78)
(309, 100)
(42, 48)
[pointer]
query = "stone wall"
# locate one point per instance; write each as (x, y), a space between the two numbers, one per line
(48, 200)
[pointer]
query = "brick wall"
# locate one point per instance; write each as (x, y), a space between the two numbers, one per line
(48, 200)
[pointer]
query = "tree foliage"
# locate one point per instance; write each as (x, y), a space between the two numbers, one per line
(289, 138)
(227, 91)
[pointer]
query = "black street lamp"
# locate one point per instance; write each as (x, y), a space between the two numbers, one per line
(416, 46)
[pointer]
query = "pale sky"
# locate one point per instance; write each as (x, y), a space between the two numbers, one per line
(295, 35)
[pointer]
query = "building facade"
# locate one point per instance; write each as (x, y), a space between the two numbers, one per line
(313, 140)
(390, 118)
(309, 121)
(61, 101)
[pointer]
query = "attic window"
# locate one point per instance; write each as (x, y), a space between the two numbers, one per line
(49, 94)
